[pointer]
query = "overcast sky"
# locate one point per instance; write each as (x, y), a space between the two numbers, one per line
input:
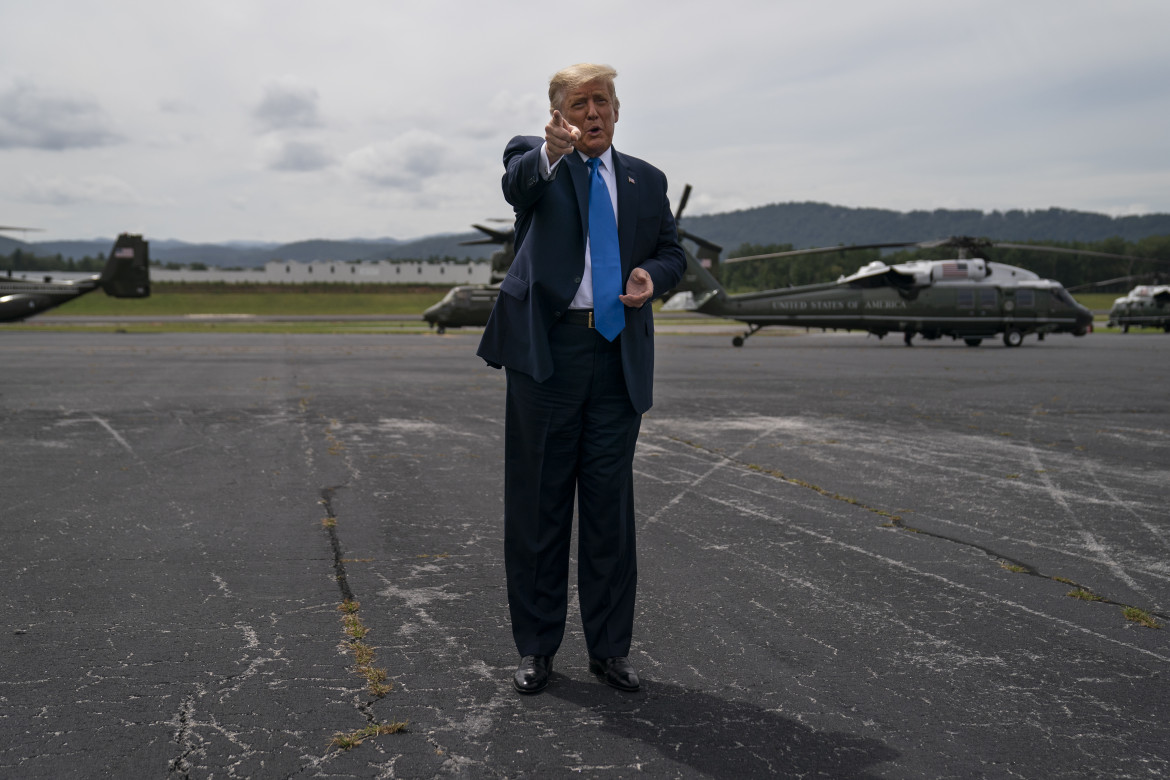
(228, 119)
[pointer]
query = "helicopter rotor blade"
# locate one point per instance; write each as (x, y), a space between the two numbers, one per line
(956, 242)
(1108, 282)
(819, 251)
(492, 237)
(970, 243)
(1086, 252)
(704, 243)
(682, 204)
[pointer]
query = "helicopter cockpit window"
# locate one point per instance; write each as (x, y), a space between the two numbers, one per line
(965, 298)
(1060, 294)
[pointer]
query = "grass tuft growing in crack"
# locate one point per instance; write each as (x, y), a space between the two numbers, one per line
(355, 738)
(1083, 595)
(1141, 617)
(354, 626)
(363, 654)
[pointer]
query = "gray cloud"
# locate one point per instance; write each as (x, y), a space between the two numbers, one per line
(59, 191)
(299, 157)
(33, 119)
(403, 163)
(288, 104)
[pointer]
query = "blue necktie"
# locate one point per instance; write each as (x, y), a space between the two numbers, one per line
(609, 314)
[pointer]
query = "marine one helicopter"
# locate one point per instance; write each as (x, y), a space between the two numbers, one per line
(965, 298)
(470, 305)
(1145, 306)
(126, 275)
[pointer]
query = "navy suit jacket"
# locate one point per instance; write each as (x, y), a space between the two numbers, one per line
(552, 222)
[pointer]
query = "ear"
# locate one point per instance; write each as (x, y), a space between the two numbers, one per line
(615, 114)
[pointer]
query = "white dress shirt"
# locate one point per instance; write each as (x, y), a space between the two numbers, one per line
(584, 297)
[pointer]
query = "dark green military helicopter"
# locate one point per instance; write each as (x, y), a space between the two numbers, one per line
(126, 275)
(470, 305)
(966, 298)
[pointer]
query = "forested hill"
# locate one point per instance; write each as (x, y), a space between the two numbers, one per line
(800, 224)
(806, 225)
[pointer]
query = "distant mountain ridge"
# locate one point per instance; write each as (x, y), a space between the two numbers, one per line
(803, 225)
(811, 224)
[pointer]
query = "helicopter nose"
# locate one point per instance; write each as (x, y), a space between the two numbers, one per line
(1084, 322)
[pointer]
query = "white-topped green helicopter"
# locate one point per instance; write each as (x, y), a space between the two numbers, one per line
(1145, 306)
(966, 297)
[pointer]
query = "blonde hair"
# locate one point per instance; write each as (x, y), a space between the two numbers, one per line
(574, 76)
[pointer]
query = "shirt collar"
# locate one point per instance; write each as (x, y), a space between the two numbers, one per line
(606, 158)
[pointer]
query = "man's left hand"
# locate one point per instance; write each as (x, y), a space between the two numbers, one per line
(639, 289)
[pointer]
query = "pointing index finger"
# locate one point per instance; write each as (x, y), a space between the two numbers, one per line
(574, 133)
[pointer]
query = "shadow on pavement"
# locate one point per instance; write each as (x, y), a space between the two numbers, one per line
(722, 738)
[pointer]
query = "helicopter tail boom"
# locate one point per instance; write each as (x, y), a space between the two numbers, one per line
(127, 272)
(699, 282)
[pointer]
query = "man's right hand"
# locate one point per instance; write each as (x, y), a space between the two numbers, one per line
(559, 137)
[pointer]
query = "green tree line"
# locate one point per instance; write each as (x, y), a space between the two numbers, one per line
(19, 260)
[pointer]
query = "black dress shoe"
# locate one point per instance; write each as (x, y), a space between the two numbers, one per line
(532, 673)
(617, 672)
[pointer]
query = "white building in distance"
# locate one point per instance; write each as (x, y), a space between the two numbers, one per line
(295, 272)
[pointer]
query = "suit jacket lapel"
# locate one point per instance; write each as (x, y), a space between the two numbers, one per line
(579, 174)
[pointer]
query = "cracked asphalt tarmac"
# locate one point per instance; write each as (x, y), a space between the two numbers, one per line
(855, 561)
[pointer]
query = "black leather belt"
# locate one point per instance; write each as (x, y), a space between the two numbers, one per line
(583, 317)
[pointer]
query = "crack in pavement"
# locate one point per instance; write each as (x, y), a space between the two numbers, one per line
(330, 524)
(895, 521)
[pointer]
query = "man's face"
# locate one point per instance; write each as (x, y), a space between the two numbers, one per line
(590, 109)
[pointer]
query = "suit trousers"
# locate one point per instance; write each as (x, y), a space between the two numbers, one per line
(574, 432)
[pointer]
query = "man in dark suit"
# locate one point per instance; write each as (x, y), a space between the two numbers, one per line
(580, 370)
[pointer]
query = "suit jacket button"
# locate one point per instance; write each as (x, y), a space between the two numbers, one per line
(557, 314)
(577, 280)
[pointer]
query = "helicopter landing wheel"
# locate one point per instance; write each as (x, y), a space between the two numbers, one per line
(1012, 338)
(739, 340)
(973, 342)
(440, 330)
(908, 339)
